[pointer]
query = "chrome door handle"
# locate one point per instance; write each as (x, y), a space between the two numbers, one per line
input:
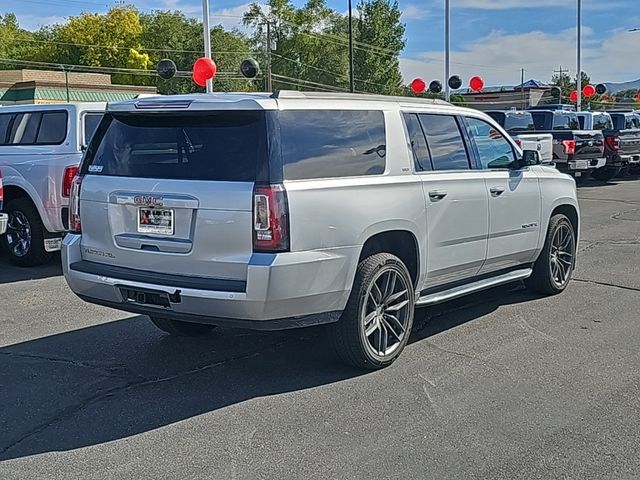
(496, 191)
(437, 195)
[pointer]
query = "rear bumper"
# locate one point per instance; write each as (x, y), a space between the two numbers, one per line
(281, 291)
(3, 223)
(590, 164)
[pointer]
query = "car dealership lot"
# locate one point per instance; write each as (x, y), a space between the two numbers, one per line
(498, 385)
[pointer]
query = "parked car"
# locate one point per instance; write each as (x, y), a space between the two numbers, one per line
(293, 209)
(519, 124)
(602, 122)
(626, 137)
(4, 218)
(40, 149)
(575, 151)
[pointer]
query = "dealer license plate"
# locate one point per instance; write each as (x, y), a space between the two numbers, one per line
(156, 221)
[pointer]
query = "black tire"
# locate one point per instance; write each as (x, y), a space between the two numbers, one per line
(624, 172)
(605, 174)
(582, 179)
(178, 328)
(23, 210)
(348, 337)
(542, 280)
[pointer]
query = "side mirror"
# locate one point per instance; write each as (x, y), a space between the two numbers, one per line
(530, 157)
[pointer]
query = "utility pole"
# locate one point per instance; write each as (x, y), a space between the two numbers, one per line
(352, 85)
(447, 48)
(524, 106)
(579, 79)
(207, 38)
(560, 73)
(269, 74)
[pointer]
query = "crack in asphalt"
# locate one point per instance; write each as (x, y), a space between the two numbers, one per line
(628, 202)
(134, 383)
(606, 284)
(112, 371)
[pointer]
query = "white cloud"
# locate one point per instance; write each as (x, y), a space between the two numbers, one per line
(499, 57)
(34, 22)
(414, 12)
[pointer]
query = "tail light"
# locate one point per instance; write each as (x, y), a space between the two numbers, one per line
(67, 180)
(569, 147)
(613, 143)
(1, 191)
(518, 142)
(75, 225)
(270, 219)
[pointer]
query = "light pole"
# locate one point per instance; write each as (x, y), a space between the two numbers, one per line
(352, 87)
(579, 79)
(447, 49)
(207, 38)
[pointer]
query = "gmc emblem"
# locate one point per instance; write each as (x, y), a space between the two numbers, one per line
(148, 200)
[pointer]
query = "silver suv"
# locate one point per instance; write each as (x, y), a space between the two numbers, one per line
(295, 209)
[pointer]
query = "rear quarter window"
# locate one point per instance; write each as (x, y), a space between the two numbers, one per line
(332, 143)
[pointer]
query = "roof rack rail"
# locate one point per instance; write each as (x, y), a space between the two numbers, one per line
(279, 94)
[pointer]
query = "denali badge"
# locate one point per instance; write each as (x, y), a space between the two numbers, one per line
(148, 200)
(529, 225)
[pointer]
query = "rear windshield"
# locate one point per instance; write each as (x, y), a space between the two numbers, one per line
(566, 121)
(214, 146)
(542, 120)
(518, 122)
(602, 122)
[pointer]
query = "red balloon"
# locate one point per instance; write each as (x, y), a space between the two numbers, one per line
(476, 84)
(204, 69)
(574, 96)
(418, 86)
(589, 91)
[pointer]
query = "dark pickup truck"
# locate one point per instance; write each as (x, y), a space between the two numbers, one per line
(622, 144)
(575, 152)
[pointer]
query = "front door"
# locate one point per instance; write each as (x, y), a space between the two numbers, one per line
(514, 199)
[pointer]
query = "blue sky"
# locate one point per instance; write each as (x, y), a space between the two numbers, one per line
(491, 38)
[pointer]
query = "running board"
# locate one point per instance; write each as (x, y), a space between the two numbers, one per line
(461, 291)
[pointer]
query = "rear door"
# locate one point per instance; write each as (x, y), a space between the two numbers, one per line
(514, 199)
(455, 197)
(173, 193)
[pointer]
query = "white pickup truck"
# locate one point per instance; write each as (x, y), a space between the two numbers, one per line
(40, 150)
(519, 124)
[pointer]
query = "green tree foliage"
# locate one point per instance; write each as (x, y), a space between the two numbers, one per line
(378, 69)
(14, 41)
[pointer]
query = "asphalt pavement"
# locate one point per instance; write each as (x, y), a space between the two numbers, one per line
(503, 384)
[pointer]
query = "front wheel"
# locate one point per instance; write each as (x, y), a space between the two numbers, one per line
(377, 321)
(178, 328)
(554, 267)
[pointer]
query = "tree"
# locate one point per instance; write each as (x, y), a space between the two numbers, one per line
(568, 85)
(308, 45)
(380, 39)
(14, 41)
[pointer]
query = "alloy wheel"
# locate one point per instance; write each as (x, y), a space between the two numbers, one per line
(18, 234)
(562, 255)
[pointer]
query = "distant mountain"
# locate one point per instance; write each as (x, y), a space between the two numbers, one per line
(619, 87)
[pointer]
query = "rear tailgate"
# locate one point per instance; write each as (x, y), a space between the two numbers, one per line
(589, 145)
(629, 142)
(173, 194)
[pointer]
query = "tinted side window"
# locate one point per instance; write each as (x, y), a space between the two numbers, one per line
(421, 156)
(5, 120)
(448, 151)
(25, 128)
(332, 143)
(53, 128)
(493, 149)
(540, 121)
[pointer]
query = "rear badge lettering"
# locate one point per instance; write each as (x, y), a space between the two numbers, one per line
(99, 253)
(148, 200)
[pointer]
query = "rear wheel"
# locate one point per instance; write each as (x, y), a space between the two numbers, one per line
(605, 174)
(24, 240)
(181, 329)
(376, 323)
(554, 267)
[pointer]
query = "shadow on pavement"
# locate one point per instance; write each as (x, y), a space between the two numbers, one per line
(10, 273)
(112, 381)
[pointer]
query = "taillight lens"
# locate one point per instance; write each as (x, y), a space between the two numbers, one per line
(569, 147)
(75, 226)
(69, 175)
(613, 143)
(270, 219)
